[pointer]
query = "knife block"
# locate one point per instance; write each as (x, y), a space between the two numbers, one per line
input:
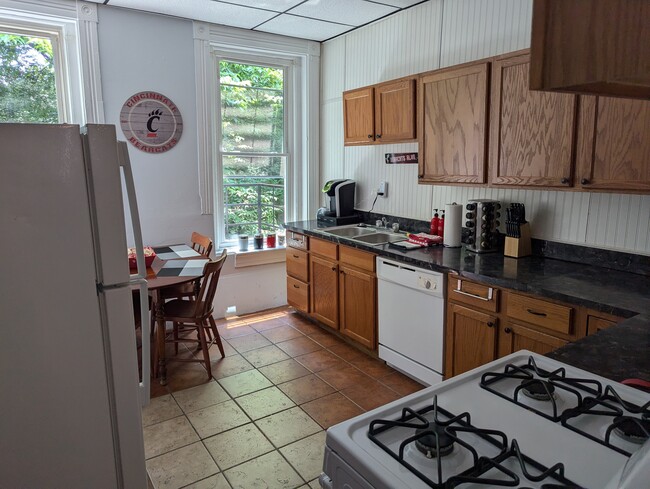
(519, 247)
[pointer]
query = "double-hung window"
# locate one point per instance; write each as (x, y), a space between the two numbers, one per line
(252, 147)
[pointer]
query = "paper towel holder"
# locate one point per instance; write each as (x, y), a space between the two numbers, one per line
(453, 225)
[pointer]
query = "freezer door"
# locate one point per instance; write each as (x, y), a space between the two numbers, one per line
(106, 204)
(121, 358)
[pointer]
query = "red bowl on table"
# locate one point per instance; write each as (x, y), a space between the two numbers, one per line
(149, 257)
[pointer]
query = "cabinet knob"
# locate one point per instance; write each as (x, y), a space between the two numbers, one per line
(584, 181)
(369, 136)
(378, 136)
(490, 324)
(507, 330)
(564, 181)
(334, 269)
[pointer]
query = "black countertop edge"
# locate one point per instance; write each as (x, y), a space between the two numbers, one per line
(617, 353)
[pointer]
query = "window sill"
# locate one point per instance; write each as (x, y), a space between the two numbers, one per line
(253, 257)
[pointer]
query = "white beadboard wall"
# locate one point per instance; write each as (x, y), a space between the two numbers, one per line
(433, 35)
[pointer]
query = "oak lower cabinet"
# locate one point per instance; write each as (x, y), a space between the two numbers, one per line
(324, 290)
(514, 337)
(343, 290)
(532, 137)
(357, 305)
(298, 271)
(470, 340)
(453, 111)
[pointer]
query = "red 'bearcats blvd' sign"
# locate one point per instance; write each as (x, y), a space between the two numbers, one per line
(151, 122)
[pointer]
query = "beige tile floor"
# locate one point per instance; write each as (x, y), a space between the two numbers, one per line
(260, 421)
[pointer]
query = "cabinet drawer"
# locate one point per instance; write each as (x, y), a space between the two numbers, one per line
(298, 294)
(546, 314)
(357, 258)
(298, 264)
(324, 248)
(595, 324)
(477, 295)
(297, 240)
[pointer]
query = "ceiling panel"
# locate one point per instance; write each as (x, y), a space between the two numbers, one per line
(275, 5)
(351, 12)
(290, 25)
(203, 10)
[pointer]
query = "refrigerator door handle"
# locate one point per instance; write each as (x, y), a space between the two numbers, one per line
(140, 277)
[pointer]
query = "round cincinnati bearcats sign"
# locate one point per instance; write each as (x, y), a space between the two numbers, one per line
(151, 122)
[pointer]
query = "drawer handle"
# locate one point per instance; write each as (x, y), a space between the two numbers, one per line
(486, 299)
(296, 286)
(542, 314)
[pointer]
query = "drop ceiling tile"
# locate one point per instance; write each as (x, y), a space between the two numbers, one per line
(203, 10)
(351, 12)
(399, 3)
(275, 5)
(291, 25)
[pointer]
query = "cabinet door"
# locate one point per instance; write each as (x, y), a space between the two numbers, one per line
(470, 339)
(613, 150)
(531, 133)
(513, 337)
(358, 116)
(324, 291)
(595, 324)
(453, 119)
(357, 293)
(395, 111)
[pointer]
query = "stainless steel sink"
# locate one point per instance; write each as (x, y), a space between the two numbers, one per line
(380, 238)
(350, 232)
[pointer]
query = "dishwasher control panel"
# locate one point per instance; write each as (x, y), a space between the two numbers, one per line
(427, 283)
(406, 275)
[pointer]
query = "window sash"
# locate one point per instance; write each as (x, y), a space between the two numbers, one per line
(221, 206)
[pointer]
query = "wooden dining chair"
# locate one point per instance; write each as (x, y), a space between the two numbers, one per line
(195, 314)
(201, 244)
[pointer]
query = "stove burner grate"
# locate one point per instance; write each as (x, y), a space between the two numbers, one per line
(441, 435)
(626, 427)
(539, 384)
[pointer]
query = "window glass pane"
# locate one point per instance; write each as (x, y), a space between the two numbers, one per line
(253, 189)
(27, 79)
(252, 108)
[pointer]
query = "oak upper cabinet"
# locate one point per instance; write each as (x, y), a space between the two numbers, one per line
(359, 116)
(453, 111)
(395, 111)
(358, 296)
(531, 133)
(382, 113)
(613, 150)
(470, 341)
(591, 46)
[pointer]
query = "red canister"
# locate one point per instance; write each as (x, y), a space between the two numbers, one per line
(270, 240)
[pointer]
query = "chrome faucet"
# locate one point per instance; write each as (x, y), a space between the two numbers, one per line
(385, 221)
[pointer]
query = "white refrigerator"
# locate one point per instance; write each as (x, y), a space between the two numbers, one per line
(70, 395)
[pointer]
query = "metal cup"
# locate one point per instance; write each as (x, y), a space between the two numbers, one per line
(243, 242)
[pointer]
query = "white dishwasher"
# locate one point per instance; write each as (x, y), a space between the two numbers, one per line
(411, 310)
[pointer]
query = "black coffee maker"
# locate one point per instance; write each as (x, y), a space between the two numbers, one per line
(340, 209)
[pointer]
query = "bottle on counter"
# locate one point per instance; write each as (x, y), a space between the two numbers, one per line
(441, 225)
(435, 222)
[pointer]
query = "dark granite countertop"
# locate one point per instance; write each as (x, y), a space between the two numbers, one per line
(617, 353)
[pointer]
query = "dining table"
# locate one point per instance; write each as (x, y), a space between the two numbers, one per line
(173, 265)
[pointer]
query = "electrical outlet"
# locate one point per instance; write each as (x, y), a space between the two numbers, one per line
(382, 189)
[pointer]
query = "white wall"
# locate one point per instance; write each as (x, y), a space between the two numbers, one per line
(140, 51)
(433, 35)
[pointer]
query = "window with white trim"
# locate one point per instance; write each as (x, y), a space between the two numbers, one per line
(31, 75)
(252, 147)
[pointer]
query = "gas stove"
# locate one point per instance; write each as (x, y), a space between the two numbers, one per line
(521, 421)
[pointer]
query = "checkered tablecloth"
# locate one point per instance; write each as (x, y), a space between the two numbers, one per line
(182, 268)
(175, 252)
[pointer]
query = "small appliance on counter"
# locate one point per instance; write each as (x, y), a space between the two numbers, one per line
(340, 209)
(482, 221)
